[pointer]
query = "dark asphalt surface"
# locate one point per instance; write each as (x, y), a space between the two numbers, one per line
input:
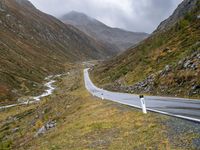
(177, 107)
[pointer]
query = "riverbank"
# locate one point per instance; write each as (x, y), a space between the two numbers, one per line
(34, 99)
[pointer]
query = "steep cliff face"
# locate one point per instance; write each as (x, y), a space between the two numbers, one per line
(166, 63)
(116, 39)
(34, 44)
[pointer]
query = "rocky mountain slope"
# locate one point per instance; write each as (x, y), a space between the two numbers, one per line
(34, 45)
(182, 10)
(167, 63)
(114, 38)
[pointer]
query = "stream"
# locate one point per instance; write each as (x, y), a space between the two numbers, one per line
(50, 89)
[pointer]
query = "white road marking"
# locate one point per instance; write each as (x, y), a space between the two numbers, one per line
(95, 91)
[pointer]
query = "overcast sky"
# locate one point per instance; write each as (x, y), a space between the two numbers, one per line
(133, 15)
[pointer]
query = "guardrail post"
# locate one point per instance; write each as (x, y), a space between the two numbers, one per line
(144, 110)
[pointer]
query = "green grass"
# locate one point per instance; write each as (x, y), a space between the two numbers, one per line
(83, 122)
(150, 56)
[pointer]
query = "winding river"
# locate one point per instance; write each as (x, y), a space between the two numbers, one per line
(50, 89)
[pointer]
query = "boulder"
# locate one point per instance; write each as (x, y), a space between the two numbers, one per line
(41, 131)
(15, 130)
(46, 127)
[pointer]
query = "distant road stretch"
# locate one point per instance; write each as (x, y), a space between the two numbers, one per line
(178, 107)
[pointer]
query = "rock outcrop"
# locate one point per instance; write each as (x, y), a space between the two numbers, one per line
(49, 125)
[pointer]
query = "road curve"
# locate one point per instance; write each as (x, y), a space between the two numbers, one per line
(178, 107)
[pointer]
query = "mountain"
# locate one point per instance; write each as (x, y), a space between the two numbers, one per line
(178, 14)
(166, 63)
(116, 39)
(34, 45)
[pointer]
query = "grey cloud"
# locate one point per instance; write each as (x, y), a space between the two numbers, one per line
(134, 15)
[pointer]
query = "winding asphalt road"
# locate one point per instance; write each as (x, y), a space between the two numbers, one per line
(178, 107)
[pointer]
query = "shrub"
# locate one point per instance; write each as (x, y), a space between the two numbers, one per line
(190, 17)
(183, 23)
(6, 145)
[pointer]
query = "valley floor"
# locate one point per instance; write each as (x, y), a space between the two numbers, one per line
(73, 119)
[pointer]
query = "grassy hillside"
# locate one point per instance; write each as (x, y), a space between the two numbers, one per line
(85, 122)
(167, 63)
(34, 45)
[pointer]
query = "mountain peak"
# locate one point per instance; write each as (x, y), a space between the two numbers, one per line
(185, 7)
(77, 14)
(78, 17)
(73, 12)
(34, 44)
(26, 3)
(114, 37)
